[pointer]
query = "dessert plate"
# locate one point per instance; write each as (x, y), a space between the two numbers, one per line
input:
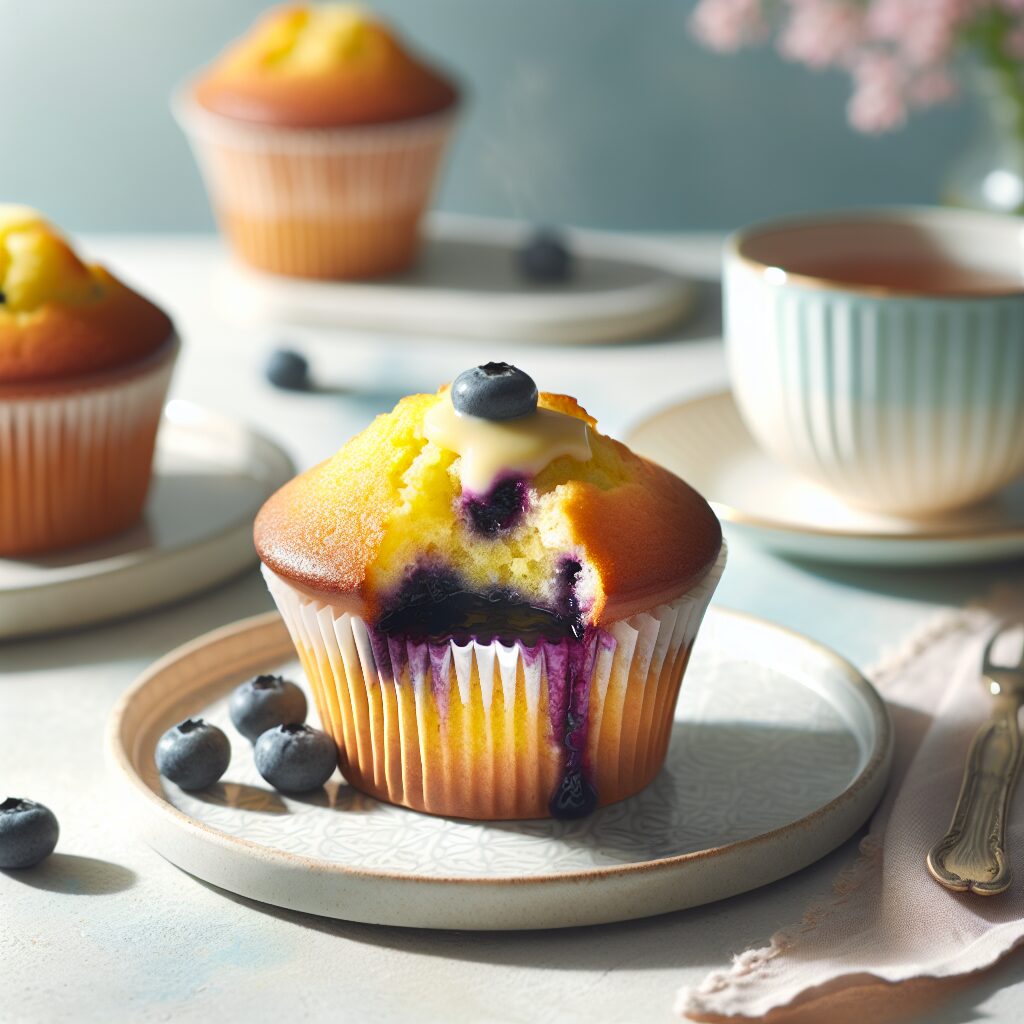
(780, 751)
(211, 474)
(705, 441)
(465, 285)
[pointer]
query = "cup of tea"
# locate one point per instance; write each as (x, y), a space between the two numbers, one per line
(881, 352)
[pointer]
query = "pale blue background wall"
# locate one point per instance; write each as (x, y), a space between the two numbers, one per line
(599, 112)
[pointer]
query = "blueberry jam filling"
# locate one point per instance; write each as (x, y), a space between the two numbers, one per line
(500, 509)
(434, 606)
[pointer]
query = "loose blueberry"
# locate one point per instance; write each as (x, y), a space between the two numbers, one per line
(193, 753)
(295, 758)
(494, 391)
(545, 258)
(263, 702)
(574, 798)
(289, 370)
(28, 833)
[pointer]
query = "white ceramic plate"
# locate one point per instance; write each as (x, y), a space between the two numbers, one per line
(705, 442)
(465, 285)
(211, 474)
(780, 752)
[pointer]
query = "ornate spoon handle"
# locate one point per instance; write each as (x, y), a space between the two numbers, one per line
(971, 855)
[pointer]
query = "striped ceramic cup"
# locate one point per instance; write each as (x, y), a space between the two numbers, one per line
(881, 352)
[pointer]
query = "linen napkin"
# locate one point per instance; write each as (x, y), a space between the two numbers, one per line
(886, 919)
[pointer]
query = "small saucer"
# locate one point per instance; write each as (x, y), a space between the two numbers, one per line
(210, 476)
(466, 285)
(705, 442)
(780, 751)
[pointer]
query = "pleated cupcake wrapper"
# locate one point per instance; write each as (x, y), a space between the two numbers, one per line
(479, 730)
(75, 466)
(342, 202)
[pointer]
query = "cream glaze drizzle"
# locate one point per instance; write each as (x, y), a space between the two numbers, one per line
(491, 449)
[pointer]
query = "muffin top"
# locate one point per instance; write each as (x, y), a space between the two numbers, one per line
(321, 66)
(485, 502)
(60, 317)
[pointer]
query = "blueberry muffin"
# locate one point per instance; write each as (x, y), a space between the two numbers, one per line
(494, 602)
(85, 364)
(319, 134)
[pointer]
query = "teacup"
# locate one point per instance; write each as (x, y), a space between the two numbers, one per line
(881, 352)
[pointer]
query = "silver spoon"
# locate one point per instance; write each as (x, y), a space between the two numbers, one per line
(971, 856)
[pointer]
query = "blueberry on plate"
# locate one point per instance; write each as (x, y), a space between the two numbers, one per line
(545, 258)
(288, 370)
(28, 833)
(261, 703)
(193, 754)
(494, 391)
(295, 758)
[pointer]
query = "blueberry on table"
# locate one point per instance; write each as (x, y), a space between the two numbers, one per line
(28, 833)
(494, 391)
(193, 754)
(289, 370)
(545, 258)
(261, 703)
(295, 758)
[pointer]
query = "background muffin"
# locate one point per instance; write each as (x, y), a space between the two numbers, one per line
(319, 136)
(85, 363)
(495, 616)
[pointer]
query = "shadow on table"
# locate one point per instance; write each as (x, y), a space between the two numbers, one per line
(73, 875)
(943, 584)
(677, 939)
(155, 631)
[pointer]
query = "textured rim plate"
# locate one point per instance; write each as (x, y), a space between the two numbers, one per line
(705, 441)
(465, 285)
(211, 474)
(780, 752)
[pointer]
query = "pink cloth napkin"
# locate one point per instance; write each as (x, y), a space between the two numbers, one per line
(886, 918)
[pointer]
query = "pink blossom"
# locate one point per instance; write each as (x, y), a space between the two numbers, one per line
(931, 87)
(924, 31)
(899, 53)
(1014, 44)
(821, 33)
(727, 25)
(877, 104)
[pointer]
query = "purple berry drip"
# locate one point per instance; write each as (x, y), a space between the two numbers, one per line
(433, 604)
(570, 667)
(433, 607)
(500, 509)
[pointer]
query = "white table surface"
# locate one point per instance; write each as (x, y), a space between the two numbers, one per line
(109, 931)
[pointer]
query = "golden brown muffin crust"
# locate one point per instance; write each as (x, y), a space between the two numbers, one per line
(58, 341)
(258, 81)
(651, 541)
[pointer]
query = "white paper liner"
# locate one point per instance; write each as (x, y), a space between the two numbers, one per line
(466, 730)
(322, 202)
(75, 465)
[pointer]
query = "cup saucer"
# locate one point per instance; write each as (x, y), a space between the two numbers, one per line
(704, 441)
